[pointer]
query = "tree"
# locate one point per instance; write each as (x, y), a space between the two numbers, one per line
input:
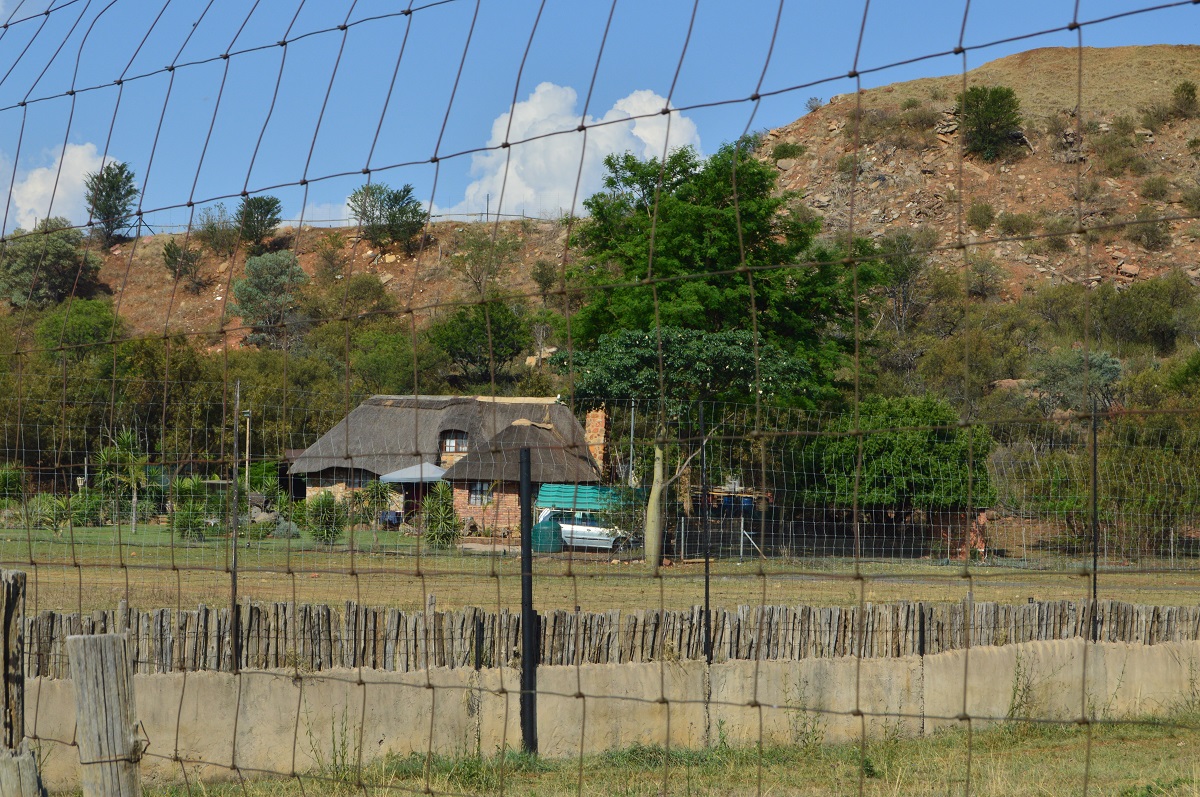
(184, 264)
(481, 339)
(990, 116)
(256, 218)
(267, 297)
(695, 366)
(121, 468)
(47, 265)
(326, 518)
(698, 222)
(71, 330)
(387, 215)
(482, 257)
(914, 455)
(110, 194)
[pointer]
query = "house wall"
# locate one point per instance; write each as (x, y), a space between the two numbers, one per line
(501, 514)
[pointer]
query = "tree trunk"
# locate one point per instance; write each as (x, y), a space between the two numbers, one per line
(654, 531)
(133, 521)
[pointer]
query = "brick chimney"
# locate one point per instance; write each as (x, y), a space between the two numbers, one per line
(595, 434)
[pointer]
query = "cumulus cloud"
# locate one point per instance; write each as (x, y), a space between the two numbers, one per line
(56, 189)
(539, 176)
(327, 214)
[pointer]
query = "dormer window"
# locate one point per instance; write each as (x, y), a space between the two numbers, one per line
(452, 446)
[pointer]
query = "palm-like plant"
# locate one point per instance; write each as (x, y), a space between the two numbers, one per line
(122, 469)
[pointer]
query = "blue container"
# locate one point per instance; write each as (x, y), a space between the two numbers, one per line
(546, 537)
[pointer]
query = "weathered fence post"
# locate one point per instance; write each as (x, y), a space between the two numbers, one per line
(18, 766)
(105, 715)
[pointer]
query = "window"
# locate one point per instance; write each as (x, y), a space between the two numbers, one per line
(479, 493)
(453, 441)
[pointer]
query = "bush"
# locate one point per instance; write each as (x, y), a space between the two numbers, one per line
(387, 215)
(1149, 231)
(184, 264)
(1155, 188)
(1058, 230)
(259, 531)
(1193, 145)
(441, 524)
(989, 115)
(980, 216)
(47, 265)
(812, 104)
(1157, 114)
(1183, 100)
(187, 521)
(788, 149)
(87, 508)
(217, 231)
(910, 103)
(1191, 200)
(846, 164)
(984, 277)
(47, 511)
(1017, 223)
(325, 517)
(12, 482)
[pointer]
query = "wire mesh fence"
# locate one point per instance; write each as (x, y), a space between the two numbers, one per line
(820, 439)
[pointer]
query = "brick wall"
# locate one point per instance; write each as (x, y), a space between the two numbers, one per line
(595, 433)
(501, 514)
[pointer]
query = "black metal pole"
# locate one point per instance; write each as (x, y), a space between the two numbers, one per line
(1095, 528)
(235, 625)
(706, 530)
(529, 624)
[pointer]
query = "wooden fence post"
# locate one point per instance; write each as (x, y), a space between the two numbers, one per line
(105, 715)
(18, 766)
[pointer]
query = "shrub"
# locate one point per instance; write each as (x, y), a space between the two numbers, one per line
(325, 517)
(331, 257)
(259, 531)
(1057, 231)
(12, 482)
(980, 216)
(911, 102)
(1193, 145)
(217, 232)
(921, 118)
(1156, 114)
(47, 511)
(788, 149)
(846, 165)
(812, 104)
(1191, 200)
(1149, 231)
(1183, 100)
(387, 215)
(441, 524)
(87, 508)
(989, 116)
(47, 265)
(984, 277)
(187, 519)
(1155, 188)
(184, 264)
(1017, 223)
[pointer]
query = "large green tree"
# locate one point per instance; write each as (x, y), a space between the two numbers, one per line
(47, 265)
(673, 368)
(268, 296)
(480, 340)
(111, 194)
(719, 240)
(991, 121)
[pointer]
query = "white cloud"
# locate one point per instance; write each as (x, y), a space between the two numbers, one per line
(539, 177)
(33, 191)
(327, 214)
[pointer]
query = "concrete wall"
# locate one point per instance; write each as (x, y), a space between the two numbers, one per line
(271, 721)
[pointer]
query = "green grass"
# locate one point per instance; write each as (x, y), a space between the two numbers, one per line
(1149, 758)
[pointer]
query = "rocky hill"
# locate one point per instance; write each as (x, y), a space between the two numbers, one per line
(1098, 161)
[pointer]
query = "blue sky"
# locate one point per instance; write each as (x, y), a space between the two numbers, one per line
(302, 121)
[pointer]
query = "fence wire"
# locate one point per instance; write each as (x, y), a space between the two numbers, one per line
(876, 479)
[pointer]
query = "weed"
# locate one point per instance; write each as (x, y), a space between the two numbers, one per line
(1017, 223)
(980, 216)
(788, 149)
(846, 165)
(1155, 188)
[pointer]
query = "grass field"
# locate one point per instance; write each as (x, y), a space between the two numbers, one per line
(90, 568)
(1152, 758)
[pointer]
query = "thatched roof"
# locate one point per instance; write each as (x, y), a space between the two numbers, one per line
(387, 433)
(551, 458)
